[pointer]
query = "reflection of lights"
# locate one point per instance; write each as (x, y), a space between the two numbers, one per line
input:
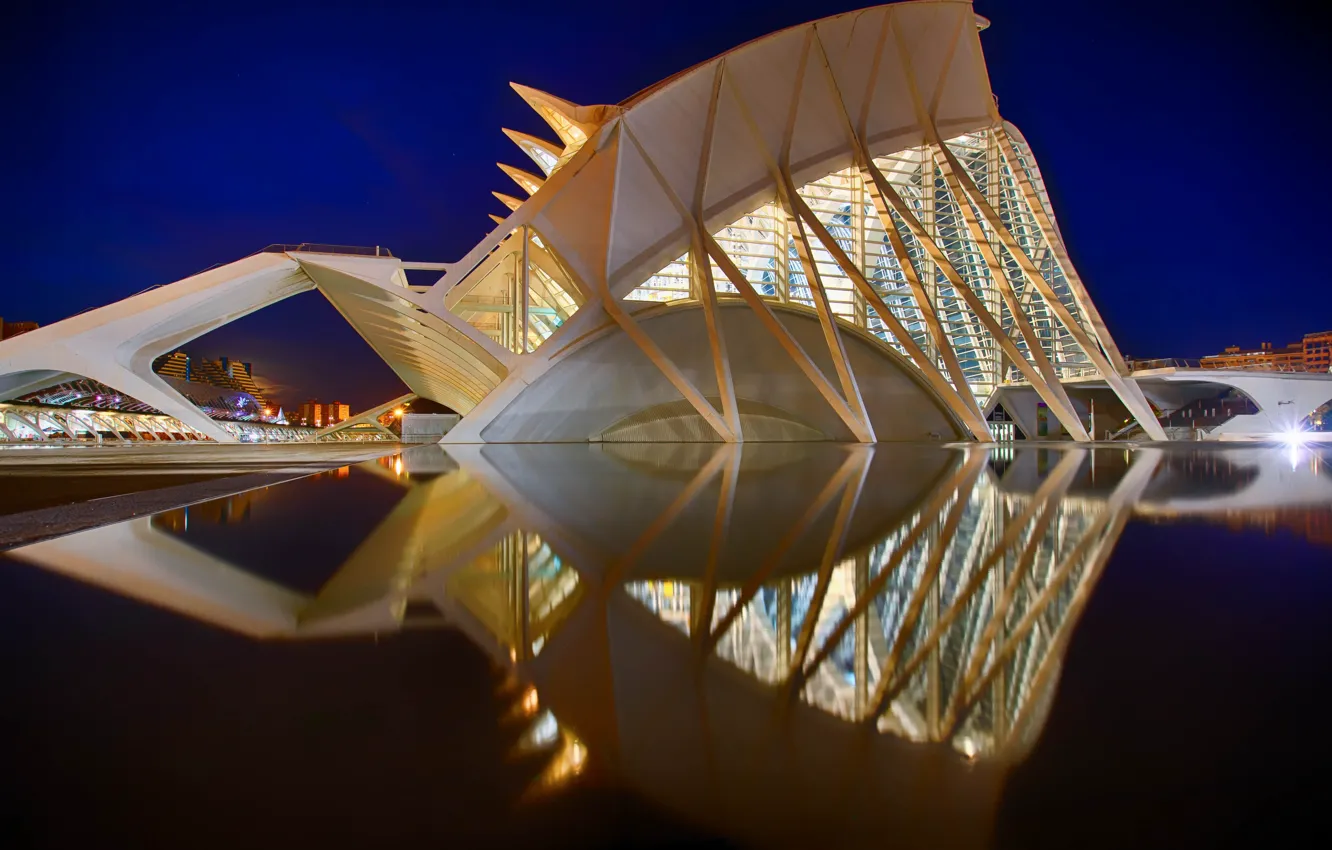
(1293, 455)
(1294, 437)
(968, 748)
(397, 466)
(531, 701)
(543, 733)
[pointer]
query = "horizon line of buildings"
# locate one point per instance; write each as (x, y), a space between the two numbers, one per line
(1311, 354)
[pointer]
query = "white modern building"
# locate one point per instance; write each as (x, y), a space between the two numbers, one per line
(829, 233)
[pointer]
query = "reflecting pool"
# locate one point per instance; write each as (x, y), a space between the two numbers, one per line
(622, 644)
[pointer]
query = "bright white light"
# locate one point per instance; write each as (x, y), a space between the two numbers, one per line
(1294, 437)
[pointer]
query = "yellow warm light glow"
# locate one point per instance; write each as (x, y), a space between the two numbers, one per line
(397, 466)
(531, 701)
(398, 413)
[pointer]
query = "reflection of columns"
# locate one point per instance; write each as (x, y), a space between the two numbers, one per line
(784, 625)
(861, 671)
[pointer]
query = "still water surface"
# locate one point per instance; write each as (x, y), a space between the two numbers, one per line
(659, 645)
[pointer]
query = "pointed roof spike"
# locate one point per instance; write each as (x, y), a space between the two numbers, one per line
(545, 154)
(562, 116)
(528, 181)
(508, 200)
(498, 219)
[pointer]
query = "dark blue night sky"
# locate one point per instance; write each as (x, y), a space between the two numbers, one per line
(1186, 150)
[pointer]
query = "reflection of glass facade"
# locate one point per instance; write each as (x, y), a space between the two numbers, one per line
(763, 244)
(947, 629)
(520, 590)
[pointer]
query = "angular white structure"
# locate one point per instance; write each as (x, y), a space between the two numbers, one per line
(435, 353)
(826, 233)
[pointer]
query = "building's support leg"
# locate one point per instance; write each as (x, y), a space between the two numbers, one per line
(707, 295)
(63, 426)
(9, 435)
(110, 426)
(92, 429)
(666, 366)
(33, 424)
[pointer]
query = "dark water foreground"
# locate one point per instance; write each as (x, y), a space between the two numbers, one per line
(637, 645)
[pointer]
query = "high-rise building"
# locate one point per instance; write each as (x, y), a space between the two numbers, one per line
(174, 365)
(312, 414)
(335, 412)
(1312, 354)
(242, 374)
(228, 374)
(9, 329)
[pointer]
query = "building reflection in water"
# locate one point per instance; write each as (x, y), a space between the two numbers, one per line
(762, 638)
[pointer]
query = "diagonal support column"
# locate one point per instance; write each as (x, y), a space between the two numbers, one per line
(701, 269)
(788, 342)
(729, 428)
(970, 415)
(1056, 246)
(1000, 276)
(956, 175)
(1052, 394)
(1047, 386)
(923, 302)
(796, 208)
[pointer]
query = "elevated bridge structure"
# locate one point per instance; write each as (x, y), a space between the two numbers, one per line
(1270, 404)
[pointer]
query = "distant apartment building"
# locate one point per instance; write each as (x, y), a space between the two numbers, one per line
(225, 373)
(174, 365)
(311, 413)
(322, 415)
(9, 329)
(1312, 354)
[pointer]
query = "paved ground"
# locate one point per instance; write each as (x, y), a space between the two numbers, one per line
(46, 492)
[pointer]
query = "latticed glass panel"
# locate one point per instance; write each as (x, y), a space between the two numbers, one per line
(764, 246)
(669, 284)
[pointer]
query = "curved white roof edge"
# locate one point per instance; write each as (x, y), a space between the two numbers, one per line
(793, 97)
